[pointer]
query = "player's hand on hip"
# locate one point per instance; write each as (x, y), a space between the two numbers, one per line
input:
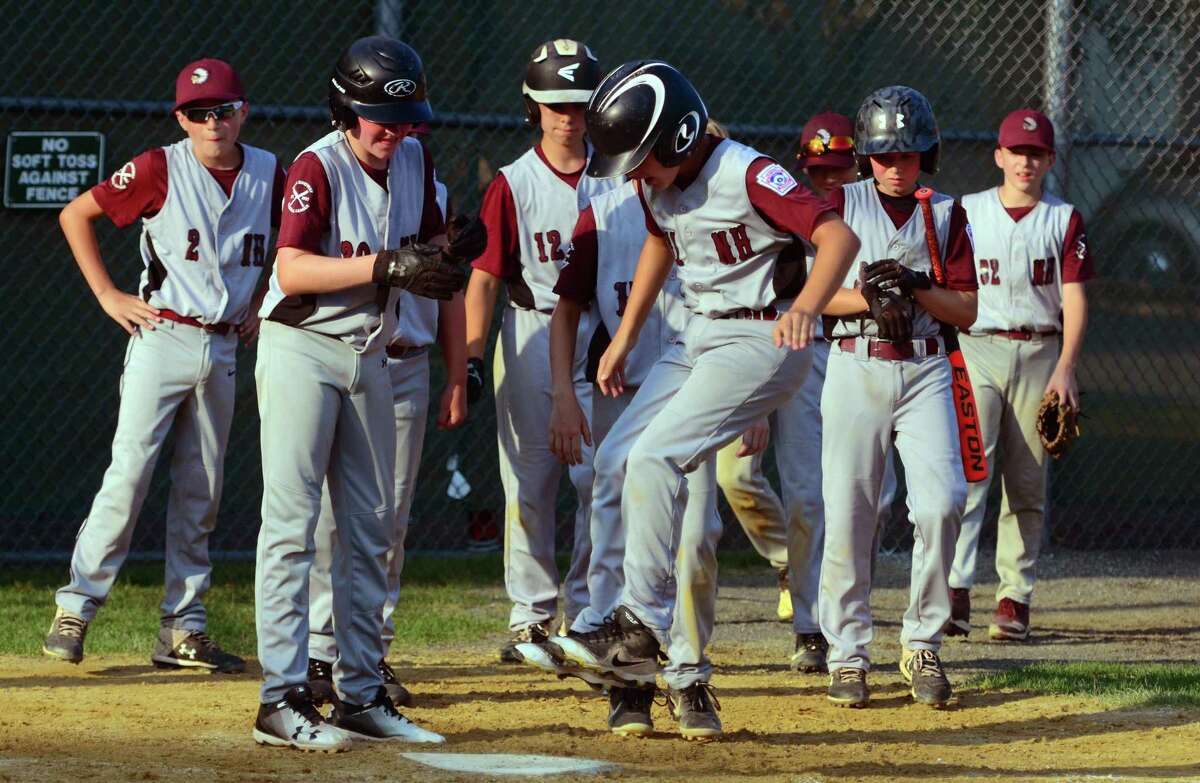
(452, 411)
(130, 312)
(795, 329)
(1063, 382)
(610, 373)
(568, 427)
(419, 269)
(755, 439)
(248, 328)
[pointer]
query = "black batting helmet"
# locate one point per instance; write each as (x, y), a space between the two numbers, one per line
(897, 119)
(643, 107)
(380, 79)
(559, 71)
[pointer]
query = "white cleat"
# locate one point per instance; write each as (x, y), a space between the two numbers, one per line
(380, 722)
(294, 722)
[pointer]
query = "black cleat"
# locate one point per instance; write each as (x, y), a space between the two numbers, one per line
(65, 639)
(809, 655)
(695, 707)
(320, 682)
(395, 691)
(293, 722)
(534, 633)
(922, 670)
(195, 651)
(629, 711)
(623, 646)
(379, 721)
(848, 688)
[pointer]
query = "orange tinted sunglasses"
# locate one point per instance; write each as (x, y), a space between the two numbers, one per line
(816, 147)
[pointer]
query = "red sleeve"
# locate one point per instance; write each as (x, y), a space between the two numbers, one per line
(307, 204)
(651, 224)
(959, 258)
(432, 222)
(1077, 266)
(837, 201)
(577, 280)
(502, 256)
(136, 190)
(277, 194)
(780, 200)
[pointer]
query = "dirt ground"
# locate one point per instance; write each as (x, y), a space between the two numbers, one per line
(116, 719)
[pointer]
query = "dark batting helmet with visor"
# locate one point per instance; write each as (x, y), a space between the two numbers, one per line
(896, 119)
(643, 107)
(379, 79)
(559, 71)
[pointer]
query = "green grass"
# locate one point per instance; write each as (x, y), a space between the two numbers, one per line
(445, 600)
(1127, 685)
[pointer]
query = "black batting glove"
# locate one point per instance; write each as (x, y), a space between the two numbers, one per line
(467, 237)
(474, 380)
(891, 314)
(890, 275)
(419, 269)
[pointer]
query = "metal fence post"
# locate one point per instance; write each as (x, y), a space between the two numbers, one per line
(1057, 87)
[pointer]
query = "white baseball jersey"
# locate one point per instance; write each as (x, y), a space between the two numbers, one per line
(364, 219)
(203, 251)
(417, 316)
(620, 233)
(547, 208)
(1020, 262)
(725, 250)
(881, 239)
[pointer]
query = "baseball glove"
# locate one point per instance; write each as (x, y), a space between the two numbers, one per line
(1057, 425)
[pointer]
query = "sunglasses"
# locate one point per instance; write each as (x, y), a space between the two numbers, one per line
(816, 147)
(222, 112)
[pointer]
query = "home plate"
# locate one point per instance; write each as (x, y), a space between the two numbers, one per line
(509, 763)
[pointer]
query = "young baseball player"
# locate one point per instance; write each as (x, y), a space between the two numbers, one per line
(888, 381)
(1033, 264)
(360, 206)
(826, 155)
(722, 216)
(419, 322)
(530, 209)
(207, 205)
(600, 268)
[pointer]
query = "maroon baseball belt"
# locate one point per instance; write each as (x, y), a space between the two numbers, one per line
(171, 315)
(892, 352)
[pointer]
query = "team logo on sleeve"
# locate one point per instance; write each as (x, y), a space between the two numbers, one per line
(776, 178)
(300, 198)
(1081, 247)
(970, 236)
(121, 178)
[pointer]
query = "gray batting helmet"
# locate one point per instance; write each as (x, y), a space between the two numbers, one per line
(897, 119)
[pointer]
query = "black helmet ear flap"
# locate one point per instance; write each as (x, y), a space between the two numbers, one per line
(533, 115)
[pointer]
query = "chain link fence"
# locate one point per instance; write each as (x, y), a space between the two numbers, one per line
(1120, 81)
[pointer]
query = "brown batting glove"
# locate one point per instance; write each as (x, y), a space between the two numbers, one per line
(890, 275)
(419, 269)
(889, 312)
(467, 237)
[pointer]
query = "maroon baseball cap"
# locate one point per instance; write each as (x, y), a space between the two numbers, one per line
(1027, 128)
(827, 140)
(208, 81)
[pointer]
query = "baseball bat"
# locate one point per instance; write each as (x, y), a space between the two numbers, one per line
(970, 436)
